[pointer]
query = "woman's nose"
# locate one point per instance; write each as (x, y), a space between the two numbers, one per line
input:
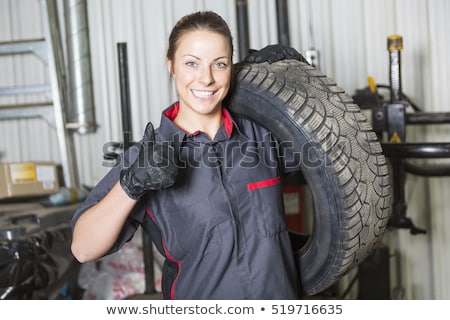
(206, 76)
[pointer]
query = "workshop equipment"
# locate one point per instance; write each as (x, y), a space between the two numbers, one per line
(389, 121)
(35, 257)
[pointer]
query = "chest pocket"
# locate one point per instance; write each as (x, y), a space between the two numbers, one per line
(195, 229)
(267, 205)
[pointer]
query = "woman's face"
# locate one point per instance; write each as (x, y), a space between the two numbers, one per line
(202, 71)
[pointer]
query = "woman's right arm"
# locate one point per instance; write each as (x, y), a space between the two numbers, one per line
(98, 228)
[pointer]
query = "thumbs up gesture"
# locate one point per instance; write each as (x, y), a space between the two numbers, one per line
(154, 169)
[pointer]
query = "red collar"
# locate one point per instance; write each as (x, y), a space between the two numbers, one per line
(172, 113)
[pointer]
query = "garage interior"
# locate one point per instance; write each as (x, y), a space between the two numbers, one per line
(78, 78)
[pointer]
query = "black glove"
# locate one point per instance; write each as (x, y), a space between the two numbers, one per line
(273, 53)
(154, 169)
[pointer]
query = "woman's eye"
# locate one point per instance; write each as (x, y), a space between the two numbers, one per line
(191, 64)
(221, 65)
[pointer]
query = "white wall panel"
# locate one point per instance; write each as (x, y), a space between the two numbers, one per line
(262, 23)
(351, 37)
(437, 98)
(23, 140)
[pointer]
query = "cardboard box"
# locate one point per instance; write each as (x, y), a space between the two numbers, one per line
(28, 179)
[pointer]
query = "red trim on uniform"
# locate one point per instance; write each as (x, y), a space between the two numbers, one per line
(172, 288)
(168, 256)
(172, 112)
(227, 122)
(147, 210)
(263, 183)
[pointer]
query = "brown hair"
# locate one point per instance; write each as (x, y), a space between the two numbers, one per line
(197, 21)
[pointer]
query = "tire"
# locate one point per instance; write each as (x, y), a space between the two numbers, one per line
(341, 161)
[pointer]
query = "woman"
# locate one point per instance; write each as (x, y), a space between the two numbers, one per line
(207, 191)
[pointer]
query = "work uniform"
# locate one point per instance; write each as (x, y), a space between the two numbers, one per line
(221, 226)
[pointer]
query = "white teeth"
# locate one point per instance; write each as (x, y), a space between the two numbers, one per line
(202, 94)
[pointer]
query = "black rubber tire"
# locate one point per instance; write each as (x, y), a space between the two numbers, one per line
(342, 162)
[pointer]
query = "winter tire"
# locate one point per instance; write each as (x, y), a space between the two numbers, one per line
(342, 162)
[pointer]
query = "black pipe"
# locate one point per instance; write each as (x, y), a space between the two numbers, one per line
(147, 246)
(416, 150)
(242, 28)
(428, 118)
(283, 23)
(124, 94)
(431, 171)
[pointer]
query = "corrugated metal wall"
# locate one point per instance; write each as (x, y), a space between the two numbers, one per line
(350, 36)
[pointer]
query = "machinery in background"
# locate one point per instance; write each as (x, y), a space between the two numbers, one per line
(389, 121)
(390, 117)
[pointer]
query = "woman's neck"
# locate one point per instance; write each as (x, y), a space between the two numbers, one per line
(191, 121)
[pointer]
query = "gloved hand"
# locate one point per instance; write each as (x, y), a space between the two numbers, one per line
(154, 169)
(273, 53)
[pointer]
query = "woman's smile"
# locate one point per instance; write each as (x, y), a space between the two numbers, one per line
(202, 94)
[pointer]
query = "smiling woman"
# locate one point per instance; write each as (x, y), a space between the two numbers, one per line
(205, 186)
(201, 69)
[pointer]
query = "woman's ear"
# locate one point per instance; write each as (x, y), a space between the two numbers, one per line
(170, 68)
